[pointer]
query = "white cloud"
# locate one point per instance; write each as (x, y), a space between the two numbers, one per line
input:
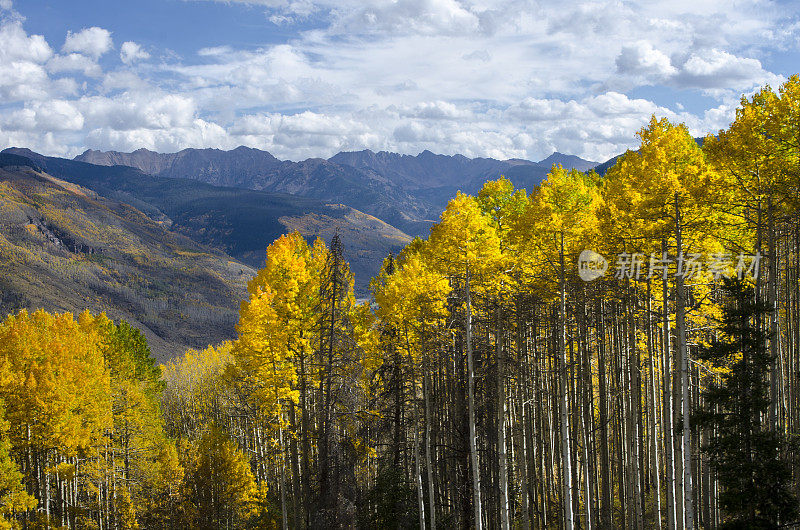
(715, 71)
(48, 142)
(198, 133)
(436, 110)
(616, 104)
(22, 59)
(74, 62)
(144, 110)
(93, 42)
(59, 115)
(428, 17)
(533, 109)
(415, 133)
(130, 52)
(477, 55)
(641, 58)
(23, 81)
(214, 51)
(302, 135)
(504, 78)
(720, 69)
(595, 127)
(18, 46)
(55, 115)
(124, 80)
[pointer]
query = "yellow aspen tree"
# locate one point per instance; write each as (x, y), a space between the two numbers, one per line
(223, 490)
(667, 195)
(506, 207)
(261, 348)
(466, 247)
(562, 214)
(758, 155)
(194, 393)
(275, 341)
(14, 499)
(57, 395)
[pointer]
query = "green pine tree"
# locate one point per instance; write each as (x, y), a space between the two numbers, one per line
(743, 452)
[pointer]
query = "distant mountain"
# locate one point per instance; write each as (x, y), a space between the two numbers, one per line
(254, 169)
(568, 162)
(605, 166)
(431, 171)
(222, 168)
(64, 247)
(238, 221)
(406, 191)
(12, 160)
(426, 170)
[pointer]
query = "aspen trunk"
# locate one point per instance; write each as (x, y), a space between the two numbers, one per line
(680, 317)
(417, 466)
(774, 332)
(297, 495)
(519, 431)
(605, 458)
(653, 415)
(284, 510)
(473, 449)
(428, 461)
(563, 403)
(305, 425)
(635, 417)
(502, 463)
(666, 380)
(584, 386)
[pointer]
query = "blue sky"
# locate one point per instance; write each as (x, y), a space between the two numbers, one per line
(308, 78)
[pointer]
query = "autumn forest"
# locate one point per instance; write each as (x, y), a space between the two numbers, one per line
(485, 383)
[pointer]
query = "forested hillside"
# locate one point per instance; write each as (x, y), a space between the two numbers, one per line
(603, 352)
(66, 248)
(236, 221)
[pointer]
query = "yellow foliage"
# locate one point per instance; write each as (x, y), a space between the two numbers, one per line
(58, 384)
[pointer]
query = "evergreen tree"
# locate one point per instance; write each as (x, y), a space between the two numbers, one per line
(743, 451)
(338, 393)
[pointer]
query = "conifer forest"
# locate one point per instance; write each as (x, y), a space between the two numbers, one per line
(603, 351)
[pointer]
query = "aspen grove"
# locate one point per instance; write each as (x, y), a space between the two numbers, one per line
(484, 384)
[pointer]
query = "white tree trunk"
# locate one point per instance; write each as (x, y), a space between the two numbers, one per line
(563, 403)
(666, 420)
(473, 449)
(680, 317)
(501, 425)
(428, 466)
(653, 416)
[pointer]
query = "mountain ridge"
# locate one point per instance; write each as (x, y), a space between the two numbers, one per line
(238, 221)
(143, 158)
(254, 169)
(568, 162)
(406, 191)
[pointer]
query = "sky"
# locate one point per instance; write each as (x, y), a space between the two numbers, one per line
(310, 78)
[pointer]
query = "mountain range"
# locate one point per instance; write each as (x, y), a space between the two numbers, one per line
(408, 192)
